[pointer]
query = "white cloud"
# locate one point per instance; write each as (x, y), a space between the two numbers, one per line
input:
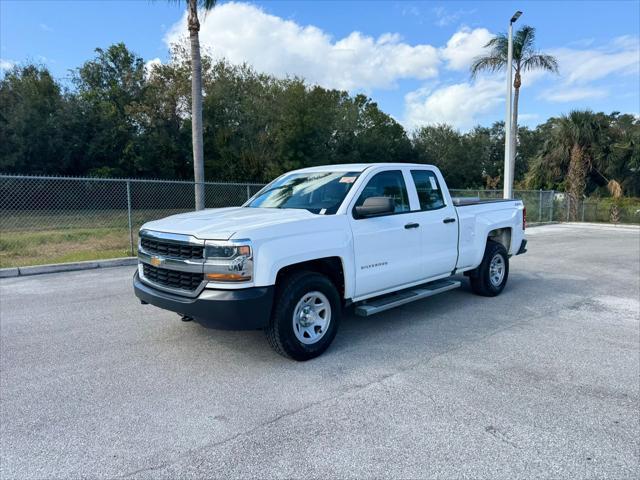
(149, 64)
(528, 117)
(583, 42)
(533, 76)
(458, 105)
(445, 17)
(283, 47)
(46, 28)
(621, 56)
(464, 46)
(572, 94)
(582, 72)
(629, 42)
(6, 64)
(410, 10)
(581, 68)
(244, 33)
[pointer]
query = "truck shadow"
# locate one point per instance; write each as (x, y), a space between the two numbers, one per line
(434, 323)
(426, 326)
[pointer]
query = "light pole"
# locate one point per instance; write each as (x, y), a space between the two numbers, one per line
(509, 158)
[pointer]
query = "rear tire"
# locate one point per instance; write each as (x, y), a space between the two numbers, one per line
(305, 316)
(491, 276)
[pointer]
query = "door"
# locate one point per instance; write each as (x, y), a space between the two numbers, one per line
(438, 225)
(387, 247)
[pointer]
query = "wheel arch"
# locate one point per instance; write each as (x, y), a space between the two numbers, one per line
(331, 267)
(501, 236)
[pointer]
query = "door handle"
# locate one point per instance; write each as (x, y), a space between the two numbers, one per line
(411, 225)
(449, 220)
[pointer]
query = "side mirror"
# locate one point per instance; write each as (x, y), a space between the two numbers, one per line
(373, 206)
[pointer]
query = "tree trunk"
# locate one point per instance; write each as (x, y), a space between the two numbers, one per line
(614, 214)
(196, 105)
(576, 180)
(514, 125)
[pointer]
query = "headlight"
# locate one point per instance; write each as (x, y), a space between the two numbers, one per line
(228, 262)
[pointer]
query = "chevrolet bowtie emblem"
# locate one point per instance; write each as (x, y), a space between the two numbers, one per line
(156, 261)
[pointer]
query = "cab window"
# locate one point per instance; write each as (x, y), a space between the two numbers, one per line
(429, 192)
(387, 184)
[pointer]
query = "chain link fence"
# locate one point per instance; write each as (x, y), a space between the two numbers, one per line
(540, 203)
(546, 206)
(64, 219)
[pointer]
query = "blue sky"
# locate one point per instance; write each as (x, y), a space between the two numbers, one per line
(410, 57)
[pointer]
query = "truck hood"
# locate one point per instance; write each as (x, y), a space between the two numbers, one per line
(223, 223)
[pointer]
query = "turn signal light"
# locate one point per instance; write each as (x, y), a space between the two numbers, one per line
(227, 277)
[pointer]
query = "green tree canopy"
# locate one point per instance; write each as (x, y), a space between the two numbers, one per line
(124, 119)
(31, 114)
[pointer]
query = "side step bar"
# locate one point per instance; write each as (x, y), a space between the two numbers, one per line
(386, 302)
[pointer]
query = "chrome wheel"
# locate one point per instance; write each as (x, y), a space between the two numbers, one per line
(311, 317)
(496, 270)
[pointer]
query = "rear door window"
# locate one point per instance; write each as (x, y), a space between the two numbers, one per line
(428, 188)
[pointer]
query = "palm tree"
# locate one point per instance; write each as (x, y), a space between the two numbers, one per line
(615, 189)
(573, 138)
(525, 58)
(193, 25)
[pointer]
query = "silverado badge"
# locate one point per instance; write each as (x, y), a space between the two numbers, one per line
(156, 261)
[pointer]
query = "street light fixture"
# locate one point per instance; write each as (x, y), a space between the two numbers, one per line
(509, 158)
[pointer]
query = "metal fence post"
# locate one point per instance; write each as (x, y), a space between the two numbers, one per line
(248, 192)
(568, 205)
(540, 207)
(583, 210)
(129, 215)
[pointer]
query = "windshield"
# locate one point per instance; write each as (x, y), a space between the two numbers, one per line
(318, 192)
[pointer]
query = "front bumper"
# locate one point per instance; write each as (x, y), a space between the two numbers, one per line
(245, 309)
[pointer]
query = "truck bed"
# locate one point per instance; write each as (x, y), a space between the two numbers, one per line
(466, 201)
(477, 217)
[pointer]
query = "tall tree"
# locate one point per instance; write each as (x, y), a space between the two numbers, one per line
(574, 148)
(576, 133)
(452, 152)
(162, 114)
(196, 94)
(31, 122)
(525, 58)
(193, 25)
(110, 87)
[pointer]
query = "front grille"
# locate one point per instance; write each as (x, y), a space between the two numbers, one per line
(171, 249)
(172, 278)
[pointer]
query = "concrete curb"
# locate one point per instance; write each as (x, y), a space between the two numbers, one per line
(66, 267)
(9, 272)
(621, 226)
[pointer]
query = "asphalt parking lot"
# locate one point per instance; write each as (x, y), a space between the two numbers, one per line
(542, 381)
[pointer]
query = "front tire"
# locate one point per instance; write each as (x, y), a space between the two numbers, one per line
(305, 316)
(491, 276)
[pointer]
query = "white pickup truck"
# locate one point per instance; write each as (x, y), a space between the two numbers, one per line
(317, 240)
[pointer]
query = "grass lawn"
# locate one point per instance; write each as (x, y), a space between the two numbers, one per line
(22, 248)
(41, 237)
